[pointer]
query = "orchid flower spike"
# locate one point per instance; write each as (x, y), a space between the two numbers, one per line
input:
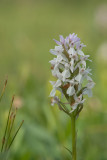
(70, 71)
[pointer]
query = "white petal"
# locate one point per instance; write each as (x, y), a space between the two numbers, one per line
(79, 87)
(59, 49)
(64, 58)
(74, 106)
(84, 63)
(78, 78)
(87, 71)
(59, 89)
(83, 101)
(88, 92)
(72, 82)
(67, 66)
(80, 53)
(59, 58)
(70, 90)
(65, 74)
(57, 84)
(52, 94)
(89, 79)
(52, 82)
(71, 51)
(54, 72)
(52, 51)
(72, 65)
(53, 61)
(90, 85)
(59, 75)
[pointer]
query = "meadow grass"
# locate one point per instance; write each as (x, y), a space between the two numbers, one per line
(26, 32)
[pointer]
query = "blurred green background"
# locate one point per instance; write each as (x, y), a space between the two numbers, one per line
(27, 29)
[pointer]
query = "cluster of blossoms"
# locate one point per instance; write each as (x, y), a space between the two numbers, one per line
(72, 76)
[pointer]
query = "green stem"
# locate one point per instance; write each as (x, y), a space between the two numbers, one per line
(73, 130)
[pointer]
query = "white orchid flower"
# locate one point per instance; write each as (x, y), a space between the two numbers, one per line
(78, 100)
(71, 89)
(57, 50)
